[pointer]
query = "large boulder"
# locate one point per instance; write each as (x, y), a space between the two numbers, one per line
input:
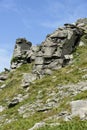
(22, 46)
(28, 78)
(57, 48)
(53, 53)
(79, 108)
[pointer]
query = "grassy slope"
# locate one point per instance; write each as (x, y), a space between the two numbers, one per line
(70, 74)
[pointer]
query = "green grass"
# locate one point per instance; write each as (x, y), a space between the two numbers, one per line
(84, 38)
(82, 95)
(72, 125)
(13, 83)
(15, 59)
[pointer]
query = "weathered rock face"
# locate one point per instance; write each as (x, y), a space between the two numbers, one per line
(57, 48)
(20, 50)
(23, 53)
(22, 45)
(82, 23)
(54, 53)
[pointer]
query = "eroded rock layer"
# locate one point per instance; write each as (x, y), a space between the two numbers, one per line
(53, 53)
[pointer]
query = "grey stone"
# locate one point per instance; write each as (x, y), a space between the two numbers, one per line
(81, 25)
(55, 64)
(39, 54)
(38, 68)
(81, 43)
(73, 89)
(35, 48)
(81, 20)
(3, 76)
(32, 55)
(59, 34)
(21, 53)
(58, 52)
(39, 61)
(27, 79)
(84, 76)
(3, 86)
(1, 81)
(44, 109)
(13, 65)
(48, 52)
(23, 44)
(48, 71)
(21, 97)
(68, 25)
(38, 125)
(49, 43)
(67, 118)
(70, 57)
(1, 108)
(13, 103)
(53, 53)
(29, 53)
(53, 124)
(79, 108)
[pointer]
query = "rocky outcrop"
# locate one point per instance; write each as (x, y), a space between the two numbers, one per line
(53, 53)
(23, 53)
(56, 50)
(20, 50)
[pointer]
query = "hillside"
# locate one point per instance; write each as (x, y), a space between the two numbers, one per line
(46, 87)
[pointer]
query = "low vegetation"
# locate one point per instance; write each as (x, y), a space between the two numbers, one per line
(72, 73)
(72, 125)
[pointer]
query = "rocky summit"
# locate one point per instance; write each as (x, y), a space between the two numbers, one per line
(46, 86)
(53, 53)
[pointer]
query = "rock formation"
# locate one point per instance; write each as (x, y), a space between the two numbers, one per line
(23, 53)
(56, 50)
(54, 53)
(19, 55)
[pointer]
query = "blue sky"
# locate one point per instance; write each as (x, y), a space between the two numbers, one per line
(34, 19)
